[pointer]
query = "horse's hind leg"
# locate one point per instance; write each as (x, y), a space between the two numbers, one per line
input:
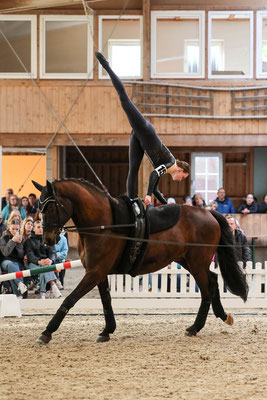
(203, 283)
(108, 312)
(88, 282)
(216, 301)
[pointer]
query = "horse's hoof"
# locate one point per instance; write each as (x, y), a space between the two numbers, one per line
(43, 339)
(190, 331)
(102, 339)
(229, 320)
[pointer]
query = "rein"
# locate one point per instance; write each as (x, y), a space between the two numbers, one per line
(73, 228)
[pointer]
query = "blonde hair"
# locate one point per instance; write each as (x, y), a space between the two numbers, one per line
(14, 215)
(22, 230)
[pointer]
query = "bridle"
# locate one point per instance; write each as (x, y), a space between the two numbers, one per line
(59, 206)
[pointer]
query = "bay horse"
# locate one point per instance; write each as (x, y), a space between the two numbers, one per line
(89, 206)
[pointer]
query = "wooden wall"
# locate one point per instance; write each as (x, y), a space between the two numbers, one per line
(98, 116)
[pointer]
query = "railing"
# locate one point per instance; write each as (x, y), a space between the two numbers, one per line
(176, 288)
(168, 99)
(249, 101)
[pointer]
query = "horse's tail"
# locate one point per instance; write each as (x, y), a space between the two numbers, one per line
(232, 274)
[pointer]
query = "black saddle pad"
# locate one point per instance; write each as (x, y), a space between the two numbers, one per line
(164, 217)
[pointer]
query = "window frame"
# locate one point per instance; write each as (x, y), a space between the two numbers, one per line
(193, 168)
(29, 74)
(42, 43)
(259, 17)
(155, 15)
(251, 43)
(100, 28)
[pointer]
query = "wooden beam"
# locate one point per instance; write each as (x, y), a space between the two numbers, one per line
(146, 40)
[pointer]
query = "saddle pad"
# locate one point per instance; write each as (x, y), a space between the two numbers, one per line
(122, 213)
(163, 217)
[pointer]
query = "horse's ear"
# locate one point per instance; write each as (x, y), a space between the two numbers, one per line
(49, 187)
(38, 186)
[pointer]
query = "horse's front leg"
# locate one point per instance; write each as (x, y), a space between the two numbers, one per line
(108, 312)
(89, 281)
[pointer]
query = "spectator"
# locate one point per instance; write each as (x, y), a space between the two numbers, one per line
(198, 201)
(249, 206)
(11, 246)
(262, 208)
(2, 225)
(242, 248)
(213, 205)
(12, 205)
(15, 215)
(225, 205)
(61, 249)
(187, 201)
(171, 200)
(5, 200)
(24, 205)
(33, 204)
(38, 216)
(26, 227)
(39, 254)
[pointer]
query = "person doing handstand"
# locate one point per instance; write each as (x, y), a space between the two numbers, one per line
(144, 139)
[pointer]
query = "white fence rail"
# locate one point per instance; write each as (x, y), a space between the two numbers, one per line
(171, 287)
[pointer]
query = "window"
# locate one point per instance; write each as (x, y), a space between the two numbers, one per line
(206, 175)
(18, 46)
(230, 44)
(66, 47)
(120, 40)
(261, 44)
(177, 44)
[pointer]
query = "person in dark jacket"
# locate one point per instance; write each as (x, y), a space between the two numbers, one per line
(249, 206)
(242, 248)
(11, 246)
(225, 205)
(262, 208)
(39, 254)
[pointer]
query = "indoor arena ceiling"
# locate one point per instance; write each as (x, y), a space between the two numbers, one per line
(9, 6)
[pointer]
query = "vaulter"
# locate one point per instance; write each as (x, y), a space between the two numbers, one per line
(144, 139)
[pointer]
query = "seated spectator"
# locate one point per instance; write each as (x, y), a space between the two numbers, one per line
(39, 254)
(2, 225)
(171, 200)
(5, 200)
(242, 248)
(213, 205)
(24, 205)
(262, 208)
(225, 205)
(187, 201)
(33, 204)
(14, 215)
(26, 227)
(11, 246)
(38, 216)
(61, 249)
(198, 201)
(11, 206)
(249, 206)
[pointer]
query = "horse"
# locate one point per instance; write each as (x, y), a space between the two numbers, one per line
(199, 233)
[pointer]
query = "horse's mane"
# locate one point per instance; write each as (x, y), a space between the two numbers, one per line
(87, 185)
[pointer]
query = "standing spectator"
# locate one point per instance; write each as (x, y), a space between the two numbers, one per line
(198, 201)
(225, 205)
(187, 201)
(33, 204)
(12, 205)
(242, 248)
(2, 225)
(5, 200)
(11, 246)
(262, 208)
(249, 206)
(61, 249)
(24, 205)
(39, 254)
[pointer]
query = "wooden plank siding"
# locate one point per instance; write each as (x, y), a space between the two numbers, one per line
(98, 115)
